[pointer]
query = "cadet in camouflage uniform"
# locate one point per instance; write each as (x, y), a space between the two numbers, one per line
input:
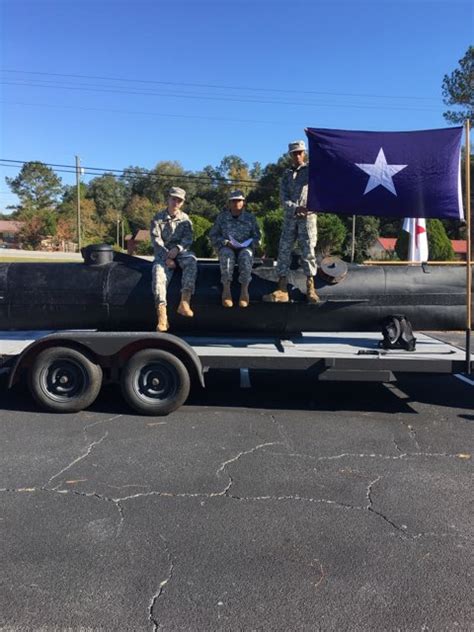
(171, 234)
(235, 225)
(299, 223)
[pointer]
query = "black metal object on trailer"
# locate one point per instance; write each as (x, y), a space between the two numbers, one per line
(116, 296)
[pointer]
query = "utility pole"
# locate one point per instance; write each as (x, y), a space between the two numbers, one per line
(78, 191)
(353, 243)
(118, 230)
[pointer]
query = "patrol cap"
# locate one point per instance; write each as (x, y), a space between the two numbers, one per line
(296, 145)
(236, 195)
(177, 192)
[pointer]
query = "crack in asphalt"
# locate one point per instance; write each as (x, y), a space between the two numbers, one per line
(78, 459)
(89, 448)
(370, 507)
(282, 432)
(326, 501)
(370, 455)
(162, 584)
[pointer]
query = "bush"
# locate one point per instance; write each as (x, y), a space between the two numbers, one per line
(201, 245)
(331, 234)
(144, 248)
(439, 245)
(272, 226)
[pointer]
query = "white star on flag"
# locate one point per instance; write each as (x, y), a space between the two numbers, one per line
(380, 173)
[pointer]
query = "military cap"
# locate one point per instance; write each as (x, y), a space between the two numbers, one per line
(236, 195)
(177, 192)
(296, 145)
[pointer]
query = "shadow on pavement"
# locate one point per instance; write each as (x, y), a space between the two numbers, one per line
(290, 391)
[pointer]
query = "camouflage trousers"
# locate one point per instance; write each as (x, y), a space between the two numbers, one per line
(161, 275)
(305, 232)
(227, 260)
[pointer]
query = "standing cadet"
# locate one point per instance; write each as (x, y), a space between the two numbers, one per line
(235, 235)
(171, 233)
(299, 223)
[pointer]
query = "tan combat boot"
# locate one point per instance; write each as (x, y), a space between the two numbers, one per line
(162, 316)
(311, 295)
(226, 295)
(244, 299)
(280, 295)
(184, 307)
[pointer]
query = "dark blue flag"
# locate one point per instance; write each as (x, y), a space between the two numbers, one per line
(395, 174)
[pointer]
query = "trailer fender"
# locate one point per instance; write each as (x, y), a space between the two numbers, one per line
(102, 347)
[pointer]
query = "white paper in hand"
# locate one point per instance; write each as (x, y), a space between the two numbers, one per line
(237, 244)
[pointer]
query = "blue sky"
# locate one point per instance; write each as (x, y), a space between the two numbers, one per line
(133, 83)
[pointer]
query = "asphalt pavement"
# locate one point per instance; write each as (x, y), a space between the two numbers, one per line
(289, 505)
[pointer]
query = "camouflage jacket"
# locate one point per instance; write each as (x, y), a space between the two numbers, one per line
(294, 189)
(167, 232)
(241, 228)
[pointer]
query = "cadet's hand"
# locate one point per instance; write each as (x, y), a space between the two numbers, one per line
(170, 263)
(173, 253)
(301, 211)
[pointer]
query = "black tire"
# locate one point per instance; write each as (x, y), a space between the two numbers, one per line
(64, 380)
(155, 382)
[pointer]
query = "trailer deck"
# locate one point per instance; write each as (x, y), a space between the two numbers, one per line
(331, 356)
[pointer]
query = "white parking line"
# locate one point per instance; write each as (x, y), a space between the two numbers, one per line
(245, 379)
(464, 378)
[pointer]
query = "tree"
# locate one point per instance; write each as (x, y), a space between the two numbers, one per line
(266, 193)
(366, 232)
(139, 212)
(37, 186)
(108, 193)
(331, 234)
(458, 89)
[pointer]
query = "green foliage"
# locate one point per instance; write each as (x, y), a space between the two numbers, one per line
(139, 212)
(266, 192)
(401, 246)
(144, 248)
(272, 225)
(261, 250)
(201, 245)
(203, 207)
(390, 226)
(367, 231)
(458, 89)
(439, 245)
(331, 234)
(108, 193)
(37, 187)
(37, 226)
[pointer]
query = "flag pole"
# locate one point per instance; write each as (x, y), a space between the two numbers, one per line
(467, 165)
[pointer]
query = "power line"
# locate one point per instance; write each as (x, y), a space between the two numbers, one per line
(217, 86)
(133, 173)
(215, 98)
(179, 116)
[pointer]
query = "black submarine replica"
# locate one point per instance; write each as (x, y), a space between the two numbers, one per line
(112, 292)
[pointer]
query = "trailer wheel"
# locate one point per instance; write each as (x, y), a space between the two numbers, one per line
(155, 382)
(64, 380)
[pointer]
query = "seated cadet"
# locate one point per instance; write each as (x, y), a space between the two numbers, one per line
(171, 234)
(234, 236)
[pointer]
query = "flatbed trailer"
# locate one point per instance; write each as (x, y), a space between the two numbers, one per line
(66, 369)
